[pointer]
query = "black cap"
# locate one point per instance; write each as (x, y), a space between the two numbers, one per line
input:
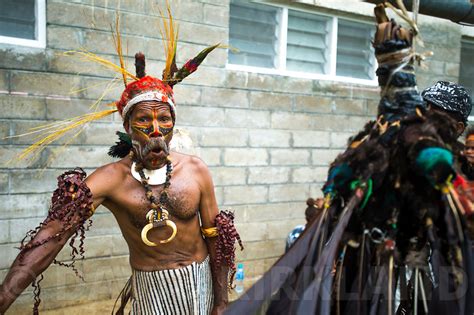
(449, 96)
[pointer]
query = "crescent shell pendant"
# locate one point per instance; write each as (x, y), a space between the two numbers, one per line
(150, 226)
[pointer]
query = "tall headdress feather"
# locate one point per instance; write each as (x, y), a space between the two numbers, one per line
(118, 45)
(169, 35)
(140, 65)
(50, 133)
(191, 65)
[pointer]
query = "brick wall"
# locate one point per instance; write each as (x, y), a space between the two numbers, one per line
(267, 139)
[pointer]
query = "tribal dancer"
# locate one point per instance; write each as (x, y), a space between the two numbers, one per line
(467, 165)
(181, 247)
(392, 238)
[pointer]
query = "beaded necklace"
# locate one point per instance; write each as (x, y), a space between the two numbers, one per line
(158, 215)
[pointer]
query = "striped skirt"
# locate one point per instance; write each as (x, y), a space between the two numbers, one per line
(182, 291)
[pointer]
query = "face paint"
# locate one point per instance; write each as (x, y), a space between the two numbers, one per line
(469, 151)
(151, 128)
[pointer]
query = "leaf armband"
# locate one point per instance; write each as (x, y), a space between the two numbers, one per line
(227, 236)
(71, 204)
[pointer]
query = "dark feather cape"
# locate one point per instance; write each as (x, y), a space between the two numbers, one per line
(391, 240)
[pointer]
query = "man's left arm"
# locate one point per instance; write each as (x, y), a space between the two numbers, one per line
(208, 211)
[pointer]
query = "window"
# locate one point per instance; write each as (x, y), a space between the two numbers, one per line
(307, 44)
(22, 22)
(279, 40)
(355, 56)
(253, 29)
(466, 72)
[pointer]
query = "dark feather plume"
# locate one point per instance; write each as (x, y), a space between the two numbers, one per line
(140, 65)
(122, 147)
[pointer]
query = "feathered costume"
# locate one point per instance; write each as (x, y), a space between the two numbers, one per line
(392, 236)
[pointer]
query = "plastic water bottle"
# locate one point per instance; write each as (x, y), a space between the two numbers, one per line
(239, 279)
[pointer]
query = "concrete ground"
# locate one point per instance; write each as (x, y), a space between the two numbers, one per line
(96, 308)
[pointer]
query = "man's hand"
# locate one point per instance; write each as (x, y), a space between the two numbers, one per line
(2, 302)
(66, 216)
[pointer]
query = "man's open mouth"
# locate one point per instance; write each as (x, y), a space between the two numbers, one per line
(155, 146)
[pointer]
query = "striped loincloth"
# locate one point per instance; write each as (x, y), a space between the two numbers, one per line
(182, 291)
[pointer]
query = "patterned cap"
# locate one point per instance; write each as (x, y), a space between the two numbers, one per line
(450, 97)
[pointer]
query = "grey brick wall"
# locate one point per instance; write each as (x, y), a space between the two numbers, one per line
(267, 139)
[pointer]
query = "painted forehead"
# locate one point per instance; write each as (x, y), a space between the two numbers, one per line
(151, 105)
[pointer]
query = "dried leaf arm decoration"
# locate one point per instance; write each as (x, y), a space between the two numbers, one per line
(227, 236)
(71, 206)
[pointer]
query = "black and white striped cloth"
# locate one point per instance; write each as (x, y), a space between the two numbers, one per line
(183, 291)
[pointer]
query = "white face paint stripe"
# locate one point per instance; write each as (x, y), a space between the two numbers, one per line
(138, 149)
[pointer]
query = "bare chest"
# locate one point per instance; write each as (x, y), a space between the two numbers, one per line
(182, 202)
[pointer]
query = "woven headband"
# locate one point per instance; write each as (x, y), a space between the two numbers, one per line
(148, 96)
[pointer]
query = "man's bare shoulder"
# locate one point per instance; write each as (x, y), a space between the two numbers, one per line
(196, 168)
(192, 162)
(110, 175)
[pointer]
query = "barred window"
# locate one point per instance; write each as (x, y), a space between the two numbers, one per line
(281, 40)
(22, 22)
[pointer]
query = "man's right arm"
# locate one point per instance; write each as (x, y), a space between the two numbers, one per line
(67, 215)
(31, 263)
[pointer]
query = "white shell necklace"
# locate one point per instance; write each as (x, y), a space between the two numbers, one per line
(154, 177)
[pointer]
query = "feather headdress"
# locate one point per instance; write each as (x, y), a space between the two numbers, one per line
(141, 88)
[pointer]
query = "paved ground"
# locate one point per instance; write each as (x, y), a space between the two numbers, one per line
(96, 308)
